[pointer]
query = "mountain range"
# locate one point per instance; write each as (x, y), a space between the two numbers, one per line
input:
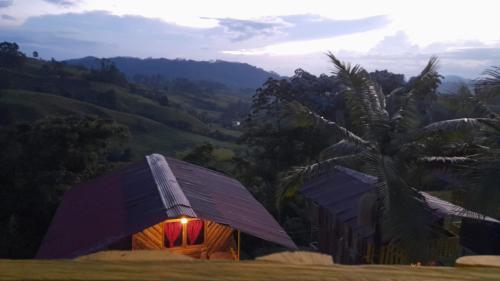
(232, 74)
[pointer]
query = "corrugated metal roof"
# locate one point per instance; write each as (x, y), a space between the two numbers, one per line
(217, 197)
(340, 192)
(175, 202)
(100, 212)
(445, 208)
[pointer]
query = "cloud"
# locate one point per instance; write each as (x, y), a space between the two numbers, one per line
(140, 36)
(7, 17)
(6, 3)
(246, 29)
(280, 43)
(64, 3)
(396, 44)
(102, 34)
(297, 27)
(308, 27)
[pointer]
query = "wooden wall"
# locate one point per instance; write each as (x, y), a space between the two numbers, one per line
(149, 239)
(345, 246)
(219, 239)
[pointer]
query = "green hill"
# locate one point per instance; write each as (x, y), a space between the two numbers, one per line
(147, 135)
(39, 89)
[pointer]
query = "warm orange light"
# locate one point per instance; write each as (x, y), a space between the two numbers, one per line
(184, 220)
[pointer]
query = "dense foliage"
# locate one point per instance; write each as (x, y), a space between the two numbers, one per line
(405, 138)
(39, 162)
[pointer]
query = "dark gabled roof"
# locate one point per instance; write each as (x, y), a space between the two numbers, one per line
(95, 214)
(340, 192)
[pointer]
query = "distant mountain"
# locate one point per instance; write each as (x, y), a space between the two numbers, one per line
(232, 74)
(451, 83)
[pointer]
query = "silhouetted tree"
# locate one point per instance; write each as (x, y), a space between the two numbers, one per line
(10, 56)
(39, 162)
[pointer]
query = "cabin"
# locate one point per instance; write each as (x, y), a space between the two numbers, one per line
(159, 203)
(343, 223)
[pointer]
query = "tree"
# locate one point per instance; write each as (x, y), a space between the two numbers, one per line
(387, 80)
(35, 54)
(39, 162)
(398, 149)
(10, 56)
(108, 72)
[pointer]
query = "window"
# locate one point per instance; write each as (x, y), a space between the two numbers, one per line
(195, 232)
(173, 234)
(177, 234)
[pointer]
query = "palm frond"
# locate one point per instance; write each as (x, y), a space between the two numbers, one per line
(405, 214)
(363, 97)
(447, 160)
(428, 80)
(481, 109)
(454, 125)
(341, 132)
(341, 148)
(297, 176)
(491, 78)
(406, 117)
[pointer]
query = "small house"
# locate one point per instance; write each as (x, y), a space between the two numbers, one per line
(159, 203)
(343, 223)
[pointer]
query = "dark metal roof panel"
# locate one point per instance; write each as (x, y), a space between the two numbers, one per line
(215, 196)
(444, 208)
(97, 213)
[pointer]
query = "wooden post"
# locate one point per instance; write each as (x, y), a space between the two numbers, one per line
(239, 244)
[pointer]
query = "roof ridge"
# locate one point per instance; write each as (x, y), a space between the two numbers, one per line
(365, 178)
(171, 193)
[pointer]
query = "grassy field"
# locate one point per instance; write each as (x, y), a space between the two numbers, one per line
(39, 89)
(235, 271)
(147, 135)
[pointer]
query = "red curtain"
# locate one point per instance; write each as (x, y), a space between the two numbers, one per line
(194, 229)
(172, 232)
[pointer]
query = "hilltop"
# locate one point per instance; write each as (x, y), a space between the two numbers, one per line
(233, 74)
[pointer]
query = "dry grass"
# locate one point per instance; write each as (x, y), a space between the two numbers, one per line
(223, 270)
(146, 255)
(482, 261)
(299, 257)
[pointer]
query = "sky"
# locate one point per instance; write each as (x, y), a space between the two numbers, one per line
(275, 35)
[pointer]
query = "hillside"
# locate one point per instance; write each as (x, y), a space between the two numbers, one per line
(39, 89)
(452, 83)
(233, 74)
(224, 270)
(147, 136)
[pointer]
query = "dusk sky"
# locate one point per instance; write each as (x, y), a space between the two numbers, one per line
(275, 35)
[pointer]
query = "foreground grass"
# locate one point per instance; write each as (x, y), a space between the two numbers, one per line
(236, 271)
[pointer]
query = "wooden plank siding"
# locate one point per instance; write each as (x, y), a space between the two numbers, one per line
(149, 239)
(218, 239)
(348, 247)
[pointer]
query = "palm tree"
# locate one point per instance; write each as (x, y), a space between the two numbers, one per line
(397, 146)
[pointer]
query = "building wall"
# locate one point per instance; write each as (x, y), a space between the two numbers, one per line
(337, 239)
(219, 241)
